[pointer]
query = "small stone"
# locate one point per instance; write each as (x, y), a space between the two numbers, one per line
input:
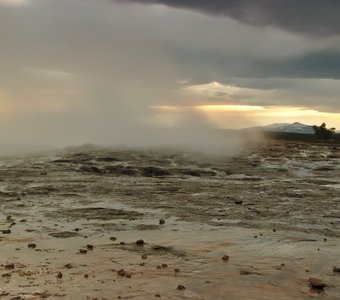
(161, 221)
(112, 238)
(121, 272)
(255, 236)
(144, 256)
(142, 264)
(9, 266)
(32, 246)
(238, 202)
(164, 266)
(181, 287)
(69, 266)
(89, 247)
(86, 275)
(6, 231)
(177, 270)
(336, 269)
(9, 218)
(225, 258)
(316, 283)
(82, 251)
(157, 295)
(159, 267)
(122, 243)
(140, 242)
(59, 275)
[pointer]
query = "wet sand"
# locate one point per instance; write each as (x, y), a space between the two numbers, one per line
(69, 223)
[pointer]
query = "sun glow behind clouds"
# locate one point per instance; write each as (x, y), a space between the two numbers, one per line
(240, 116)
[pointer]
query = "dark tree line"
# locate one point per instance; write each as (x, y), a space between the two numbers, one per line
(322, 132)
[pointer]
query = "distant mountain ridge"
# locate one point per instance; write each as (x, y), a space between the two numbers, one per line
(295, 127)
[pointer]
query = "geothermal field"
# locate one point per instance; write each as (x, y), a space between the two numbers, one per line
(99, 223)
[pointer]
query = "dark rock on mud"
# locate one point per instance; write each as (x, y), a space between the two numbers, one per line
(316, 283)
(6, 231)
(140, 242)
(32, 246)
(181, 287)
(336, 269)
(225, 258)
(10, 266)
(64, 234)
(161, 221)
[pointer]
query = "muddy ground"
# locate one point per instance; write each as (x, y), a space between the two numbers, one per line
(256, 225)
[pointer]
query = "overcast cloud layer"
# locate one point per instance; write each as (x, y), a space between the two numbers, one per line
(76, 71)
(308, 16)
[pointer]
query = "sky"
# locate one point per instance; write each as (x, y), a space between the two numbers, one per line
(120, 71)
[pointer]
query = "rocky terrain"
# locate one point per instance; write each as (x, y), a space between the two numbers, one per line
(143, 224)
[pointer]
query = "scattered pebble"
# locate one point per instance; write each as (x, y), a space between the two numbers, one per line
(181, 287)
(161, 221)
(82, 251)
(32, 246)
(316, 283)
(59, 275)
(336, 269)
(89, 247)
(9, 266)
(112, 238)
(144, 256)
(225, 258)
(140, 242)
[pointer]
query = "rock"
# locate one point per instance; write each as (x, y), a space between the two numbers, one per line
(82, 251)
(9, 266)
(157, 295)
(161, 221)
(86, 275)
(140, 242)
(164, 266)
(112, 238)
(238, 202)
(123, 273)
(89, 247)
(336, 269)
(225, 258)
(59, 275)
(181, 287)
(6, 231)
(316, 283)
(177, 270)
(144, 256)
(64, 234)
(122, 243)
(69, 266)
(32, 246)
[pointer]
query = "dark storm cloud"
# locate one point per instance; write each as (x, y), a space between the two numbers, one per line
(307, 16)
